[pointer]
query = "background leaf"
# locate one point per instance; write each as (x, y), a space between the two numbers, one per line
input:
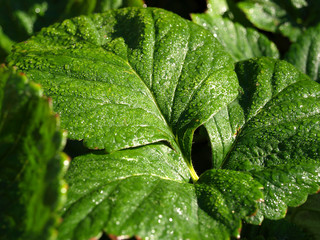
(31, 162)
(304, 54)
(242, 43)
(307, 216)
(288, 17)
(21, 19)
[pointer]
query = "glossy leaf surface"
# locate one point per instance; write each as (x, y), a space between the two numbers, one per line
(31, 162)
(271, 131)
(146, 192)
(304, 54)
(117, 86)
(242, 43)
(146, 79)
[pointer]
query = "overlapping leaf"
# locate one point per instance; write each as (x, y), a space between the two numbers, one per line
(136, 77)
(146, 192)
(287, 17)
(304, 54)
(242, 43)
(20, 19)
(272, 131)
(31, 164)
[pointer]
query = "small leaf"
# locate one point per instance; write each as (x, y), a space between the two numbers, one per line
(287, 17)
(304, 54)
(242, 43)
(31, 162)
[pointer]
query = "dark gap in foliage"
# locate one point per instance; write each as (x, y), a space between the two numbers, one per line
(281, 229)
(283, 43)
(75, 148)
(112, 237)
(201, 151)
(181, 7)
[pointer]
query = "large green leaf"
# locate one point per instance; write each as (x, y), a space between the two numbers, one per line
(289, 17)
(242, 43)
(117, 86)
(145, 192)
(304, 54)
(31, 162)
(272, 131)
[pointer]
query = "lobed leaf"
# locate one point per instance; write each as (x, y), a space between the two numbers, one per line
(31, 162)
(271, 131)
(146, 78)
(145, 192)
(117, 86)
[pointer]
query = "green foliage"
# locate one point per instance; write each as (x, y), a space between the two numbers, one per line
(242, 43)
(304, 54)
(289, 17)
(134, 84)
(20, 19)
(31, 162)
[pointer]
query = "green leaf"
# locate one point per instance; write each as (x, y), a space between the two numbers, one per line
(304, 54)
(31, 162)
(271, 131)
(20, 19)
(288, 17)
(145, 192)
(118, 87)
(217, 7)
(242, 43)
(146, 79)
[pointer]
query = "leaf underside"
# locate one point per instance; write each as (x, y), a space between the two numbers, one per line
(126, 81)
(31, 162)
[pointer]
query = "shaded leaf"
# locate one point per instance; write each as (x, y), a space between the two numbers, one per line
(31, 162)
(304, 54)
(20, 19)
(307, 216)
(274, 230)
(288, 17)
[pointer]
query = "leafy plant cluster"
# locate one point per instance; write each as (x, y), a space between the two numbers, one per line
(177, 129)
